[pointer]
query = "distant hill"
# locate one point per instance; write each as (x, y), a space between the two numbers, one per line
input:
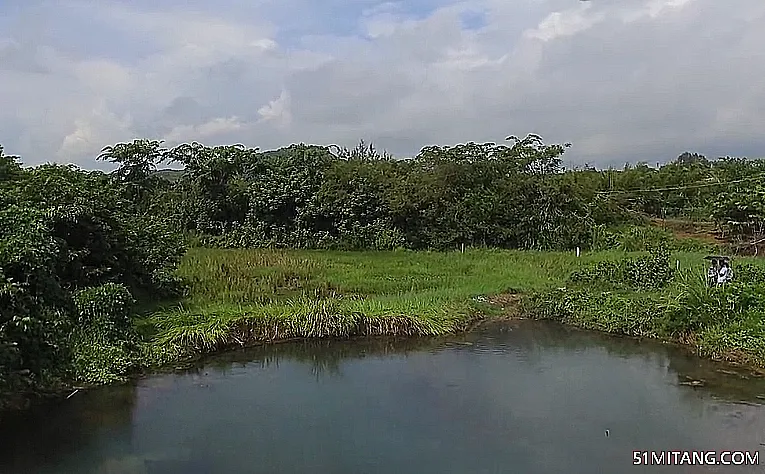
(170, 174)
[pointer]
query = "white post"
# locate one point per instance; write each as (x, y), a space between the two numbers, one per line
(677, 264)
(577, 251)
(463, 247)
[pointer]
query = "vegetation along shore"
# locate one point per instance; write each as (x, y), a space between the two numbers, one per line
(107, 275)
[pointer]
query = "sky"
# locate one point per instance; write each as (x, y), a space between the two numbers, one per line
(621, 80)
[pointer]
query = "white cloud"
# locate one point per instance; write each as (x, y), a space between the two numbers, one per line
(208, 130)
(654, 9)
(277, 110)
(565, 23)
(621, 79)
(93, 132)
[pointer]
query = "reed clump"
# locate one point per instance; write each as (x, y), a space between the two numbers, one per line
(217, 329)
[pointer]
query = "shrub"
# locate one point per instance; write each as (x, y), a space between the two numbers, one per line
(73, 251)
(749, 273)
(106, 306)
(104, 341)
(635, 273)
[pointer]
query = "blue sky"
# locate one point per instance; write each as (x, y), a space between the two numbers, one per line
(623, 80)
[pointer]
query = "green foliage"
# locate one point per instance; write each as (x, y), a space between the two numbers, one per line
(306, 196)
(76, 247)
(722, 322)
(638, 238)
(496, 195)
(137, 160)
(742, 212)
(73, 246)
(633, 273)
(10, 169)
(97, 363)
(214, 190)
(106, 307)
(31, 299)
(695, 306)
(749, 273)
(617, 313)
(103, 340)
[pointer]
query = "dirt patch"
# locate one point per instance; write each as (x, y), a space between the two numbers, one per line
(508, 303)
(682, 229)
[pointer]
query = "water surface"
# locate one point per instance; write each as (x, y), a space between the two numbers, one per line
(522, 397)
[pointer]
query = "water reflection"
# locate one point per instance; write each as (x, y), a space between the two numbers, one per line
(47, 433)
(524, 396)
(324, 357)
(529, 341)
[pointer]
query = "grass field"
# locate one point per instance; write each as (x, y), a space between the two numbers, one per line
(240, 297)
(229, 278)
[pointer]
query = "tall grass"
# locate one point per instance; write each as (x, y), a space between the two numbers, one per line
(242, 276)
(247, 296)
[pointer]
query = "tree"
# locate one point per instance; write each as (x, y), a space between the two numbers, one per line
(136, 161)
(362, 152)
(10, 169)
(688, 158)
(63, 232)
(137, 164)
(534, 156)
(214, 186)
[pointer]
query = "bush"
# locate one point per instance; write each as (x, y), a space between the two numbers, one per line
(96, 362)
(634, 273)
(697, 307)
(617, 313)
(746, 272)
(104, 341)
(106, 306)
(73, 251)
(639, 238)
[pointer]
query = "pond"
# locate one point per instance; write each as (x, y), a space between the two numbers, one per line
(519, 397)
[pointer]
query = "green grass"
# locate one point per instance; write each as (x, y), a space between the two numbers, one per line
(260, 276)
(242, 296)
(722, 323)
(245, 296)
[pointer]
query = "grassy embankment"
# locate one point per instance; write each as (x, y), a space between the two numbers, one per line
(243, 297)
(240, 297)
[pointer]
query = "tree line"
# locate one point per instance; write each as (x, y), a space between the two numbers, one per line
(514, 195)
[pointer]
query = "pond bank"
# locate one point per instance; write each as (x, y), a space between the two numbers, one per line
(736, 338)
(248, 332)
(245, 297)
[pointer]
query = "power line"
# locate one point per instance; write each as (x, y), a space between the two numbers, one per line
(690, 186)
